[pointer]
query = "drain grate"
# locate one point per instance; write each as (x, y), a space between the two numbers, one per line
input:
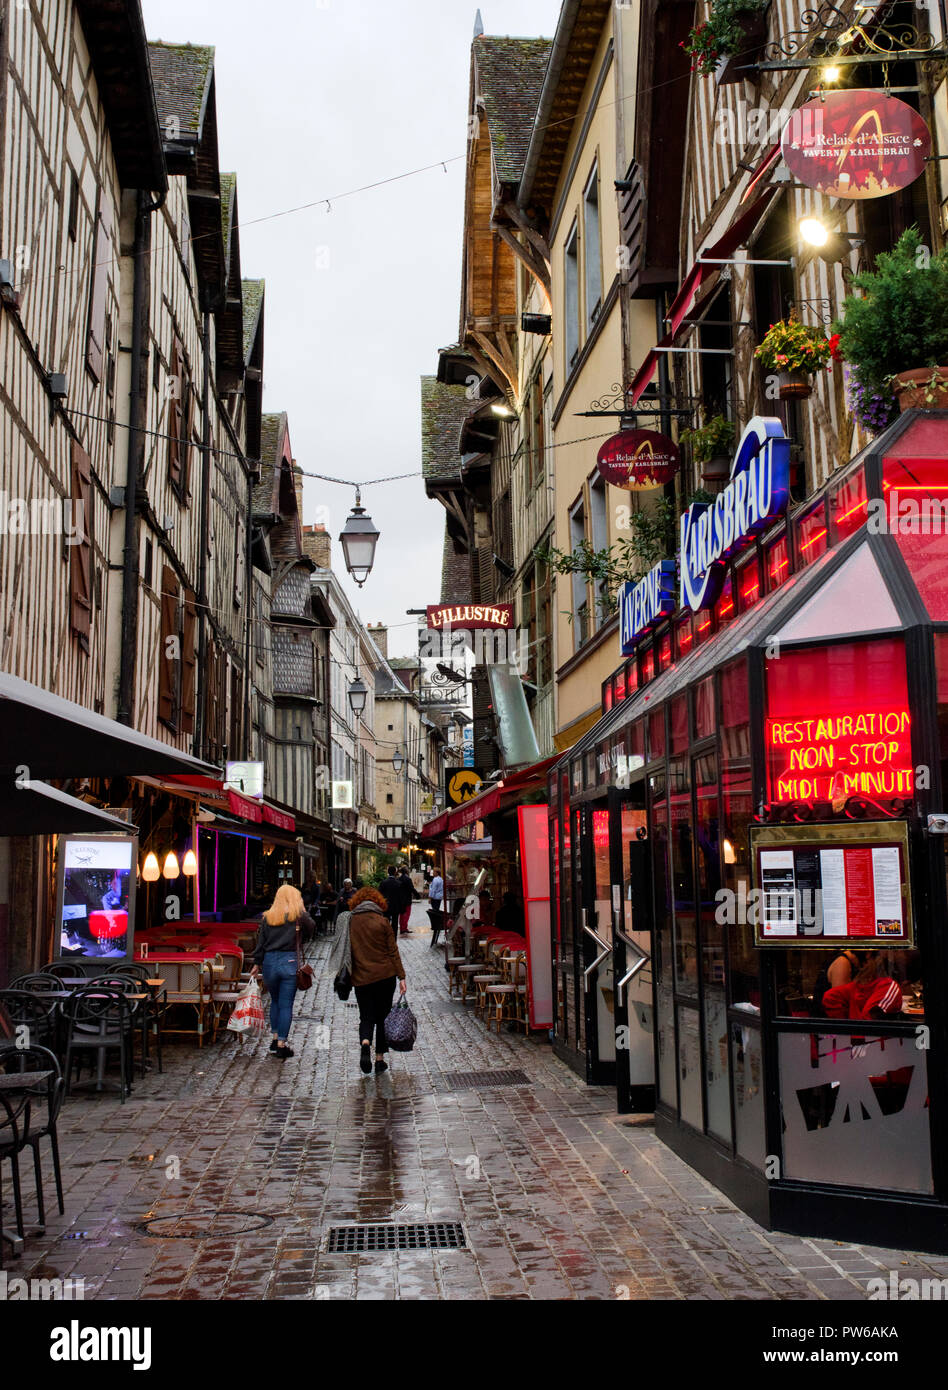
(474, 1080)
(436, 1235)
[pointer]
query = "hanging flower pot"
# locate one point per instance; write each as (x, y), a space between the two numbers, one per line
(716, 470)
(794, 385)
(923, 388)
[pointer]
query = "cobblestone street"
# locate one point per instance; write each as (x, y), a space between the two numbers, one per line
(559, 1197)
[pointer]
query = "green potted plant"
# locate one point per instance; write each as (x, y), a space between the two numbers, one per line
(711, 448)
(728, 39)
(894, 333)
(795, 352)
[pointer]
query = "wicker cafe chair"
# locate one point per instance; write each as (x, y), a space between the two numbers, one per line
(49, 1093)
(14, 1136)
(99, 1021)
(480, 984)
(189, 984)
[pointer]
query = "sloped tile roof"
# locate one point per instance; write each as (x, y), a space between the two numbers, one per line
(181, 73)
(252, 292)
(510, 76)
(271, 433)
(443, 410)
(228, 189)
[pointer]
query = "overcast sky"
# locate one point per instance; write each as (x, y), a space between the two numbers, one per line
(315, 98)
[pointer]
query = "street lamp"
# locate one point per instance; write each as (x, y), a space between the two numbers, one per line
(359, 539)
(358, 692)
(398, 762)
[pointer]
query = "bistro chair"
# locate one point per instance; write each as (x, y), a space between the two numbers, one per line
(49, 1093)
(98, 1021)
(39, 983)
(129, 984)
(14, 1136)
(155, 1006)
(480, 983)
(37, 1016)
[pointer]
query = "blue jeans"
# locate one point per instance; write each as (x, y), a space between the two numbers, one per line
(279, 973)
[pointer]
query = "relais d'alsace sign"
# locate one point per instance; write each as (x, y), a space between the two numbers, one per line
(637, 459)
(858, 144)
(711, 532)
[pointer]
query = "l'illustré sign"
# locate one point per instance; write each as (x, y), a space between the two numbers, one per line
(711, 532)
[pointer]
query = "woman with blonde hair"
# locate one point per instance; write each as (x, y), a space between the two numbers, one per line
(275, 957)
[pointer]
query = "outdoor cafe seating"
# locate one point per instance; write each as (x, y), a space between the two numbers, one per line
(488, 966)
(31, 1097)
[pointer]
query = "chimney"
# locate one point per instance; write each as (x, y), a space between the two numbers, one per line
(379, 635)
(317, 544)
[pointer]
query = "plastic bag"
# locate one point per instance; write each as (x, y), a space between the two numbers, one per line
(248, 1016)
(401, 1027)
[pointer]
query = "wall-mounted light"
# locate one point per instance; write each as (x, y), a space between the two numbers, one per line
(830, 246)
(502, 410)
(150, 871)
(170, 867)
(830, 75)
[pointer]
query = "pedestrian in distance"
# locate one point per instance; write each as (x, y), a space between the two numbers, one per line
(391, 891)
(275, 956)
(364, 943)
(329, 904)
(345, 893)
(406, 898)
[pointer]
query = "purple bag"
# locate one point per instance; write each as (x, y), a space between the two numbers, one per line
(401, 1027)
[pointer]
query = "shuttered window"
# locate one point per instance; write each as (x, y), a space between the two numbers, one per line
(98, 294)
(80, 558)
(188, 662)
(169, 650)
(180, 421)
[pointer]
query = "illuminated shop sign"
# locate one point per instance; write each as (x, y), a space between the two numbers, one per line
(856, 144)
(470, 615)
(831, 757)
(641, 604)
(713, 531)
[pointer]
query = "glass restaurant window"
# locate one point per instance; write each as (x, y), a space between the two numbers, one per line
(724, 608)
(811, 535)
(848, 506)
(683, 638)
(704, 709)
(648, 666)
(748, 583)
(656, 734)
(664, 956)
(915, 489)
(620, 685)
(776, 563)
(678, 720)
(683, 884)
(737, 811)
(714, 999)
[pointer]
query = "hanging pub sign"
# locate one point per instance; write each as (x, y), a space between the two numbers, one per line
(857, 144)
(641, 604)
(713, 531)
(636, 459)
(461, 785)
(470, 615)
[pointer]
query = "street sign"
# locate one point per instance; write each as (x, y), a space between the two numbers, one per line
(460, 785)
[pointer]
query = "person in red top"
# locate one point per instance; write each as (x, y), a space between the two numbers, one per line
(870, 995)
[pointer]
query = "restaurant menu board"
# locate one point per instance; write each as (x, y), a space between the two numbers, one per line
(847, 883)
(96, 893)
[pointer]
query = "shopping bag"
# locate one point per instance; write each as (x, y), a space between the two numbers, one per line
(401, 1027)
(247, 1016)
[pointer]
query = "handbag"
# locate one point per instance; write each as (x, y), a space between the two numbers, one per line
(401, 1027)
(304, 973)
(342, 984)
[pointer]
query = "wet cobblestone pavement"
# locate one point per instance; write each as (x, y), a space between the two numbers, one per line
(243, 1164)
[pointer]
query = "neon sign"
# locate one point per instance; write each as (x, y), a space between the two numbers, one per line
(830, 757)
(757, 492)
(643, 603)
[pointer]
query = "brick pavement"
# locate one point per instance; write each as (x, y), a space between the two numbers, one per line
(560, 1198)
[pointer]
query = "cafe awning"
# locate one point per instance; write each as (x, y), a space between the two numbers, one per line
(53, 737)
(497, 797)
(36, 808)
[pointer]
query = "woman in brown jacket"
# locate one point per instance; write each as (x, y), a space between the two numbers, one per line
(375, 966)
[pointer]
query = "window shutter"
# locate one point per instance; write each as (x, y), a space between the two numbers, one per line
(80, 561)
(187, 427)
(101, 260)
(239, 562)
(168, 665)
(175, 416)
(188, 663)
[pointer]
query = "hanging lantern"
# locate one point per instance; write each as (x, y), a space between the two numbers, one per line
(171, 869)
(190, 866)
(150, 871)
(359, 539)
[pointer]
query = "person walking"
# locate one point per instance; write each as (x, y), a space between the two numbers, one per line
(391, 891)
(366, 945)
(329, 904)
(345, 893)
(274, 957)
(407, 897)
(436, 906)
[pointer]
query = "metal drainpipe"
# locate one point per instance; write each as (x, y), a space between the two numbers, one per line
(200, 739)
(129, 644)
(249, 662)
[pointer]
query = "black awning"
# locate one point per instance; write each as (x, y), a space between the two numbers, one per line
(35, 808)
(52, 737)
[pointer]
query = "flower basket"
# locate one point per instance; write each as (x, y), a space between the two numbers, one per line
(923, 388)
(732, 67)
(728, 40)
(794, 385)
(716, 470)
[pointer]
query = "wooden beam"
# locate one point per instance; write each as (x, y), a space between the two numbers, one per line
(538, 268)
(540, 243)
(497, 351)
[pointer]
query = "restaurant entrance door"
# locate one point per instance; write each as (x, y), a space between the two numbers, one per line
(595, 916)
(631, 900)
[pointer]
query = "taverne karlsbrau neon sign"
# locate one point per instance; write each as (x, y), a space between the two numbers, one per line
(713, 531)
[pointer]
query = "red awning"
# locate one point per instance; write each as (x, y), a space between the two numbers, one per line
(699, 272)
(258, 812)
(494, 798)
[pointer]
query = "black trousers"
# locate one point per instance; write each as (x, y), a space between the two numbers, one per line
(375, 1005)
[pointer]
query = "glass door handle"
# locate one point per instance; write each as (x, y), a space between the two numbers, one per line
(643, 959)
(605, 951)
